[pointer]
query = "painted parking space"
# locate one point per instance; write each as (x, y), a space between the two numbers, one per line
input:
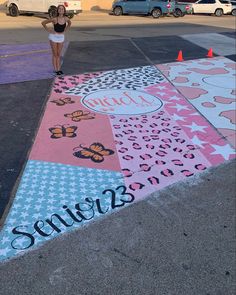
(224, 46)
(209, 84)
(26, 62)
(108, 139)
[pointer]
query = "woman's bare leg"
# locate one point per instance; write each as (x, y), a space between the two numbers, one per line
(54, 55)
(59, 50)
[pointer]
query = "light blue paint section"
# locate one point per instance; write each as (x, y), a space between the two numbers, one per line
(43, 191)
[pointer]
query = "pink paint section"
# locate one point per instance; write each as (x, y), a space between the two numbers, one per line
(222, 116)
(230, 135)
(164, 69)
(181, 80)
(230, 115)
(197, 128)
(223, 100)
(185, 73)
(208, 104)
(158, 149)
(190, 92)
(88, 132)
(213, 71)
(158, 157)
(230, 65)
(206, 63)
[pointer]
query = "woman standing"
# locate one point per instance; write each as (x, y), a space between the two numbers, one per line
(61, 24)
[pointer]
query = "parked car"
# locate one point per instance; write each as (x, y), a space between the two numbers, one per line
(155, 8)
(16, 7)
(216, 7)
(181, 9)
(233, 11)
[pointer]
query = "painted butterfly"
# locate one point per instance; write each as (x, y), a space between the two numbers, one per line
(62, 131)
(80, 115)
(62, 101)
(95, 152)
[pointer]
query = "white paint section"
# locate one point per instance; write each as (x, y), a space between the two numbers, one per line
(205, 77)
(220, 44)
(122, 102)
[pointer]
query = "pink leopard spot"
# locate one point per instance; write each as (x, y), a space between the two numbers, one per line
(153, 180)
(233, 92)
(126, 172)
(161, 153)
(150, 146)
(187, 173)
(229, 115)
(223, 100)
(208, 105)
(167, 172)
(136, 146)
(195, 84)
(177, 162)
(128, 157)
(213, 71)
(145, 157)
(191, 93)
(180, 80)
(145, 167)
(136, 186)
(128, 132)
(123, 150)
(116, 126)
(159, 162)
(200, 167)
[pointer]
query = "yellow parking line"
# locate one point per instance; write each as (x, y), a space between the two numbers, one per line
(24, 53)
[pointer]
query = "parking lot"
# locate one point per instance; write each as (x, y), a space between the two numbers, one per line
(102, 26)
(177, 125)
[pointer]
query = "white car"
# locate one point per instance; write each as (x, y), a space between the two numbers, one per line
(233, 11)
(16, 7)
(217, 7)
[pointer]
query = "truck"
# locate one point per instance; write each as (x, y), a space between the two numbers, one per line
(16, 7)
(181, 9)
(155, 8)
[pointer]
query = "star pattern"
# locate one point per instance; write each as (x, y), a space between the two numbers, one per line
(194, 127)
(198, 142)
(225, 151)
(58, 189)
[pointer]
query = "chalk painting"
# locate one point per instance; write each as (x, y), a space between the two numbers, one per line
(106, 140)
(209, 84)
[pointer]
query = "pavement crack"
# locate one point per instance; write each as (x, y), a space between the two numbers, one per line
(126, 256)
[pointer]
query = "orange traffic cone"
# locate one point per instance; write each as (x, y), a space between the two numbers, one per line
(180, 56)
(210, 53)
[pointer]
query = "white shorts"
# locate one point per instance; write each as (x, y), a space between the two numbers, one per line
(57, 38)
